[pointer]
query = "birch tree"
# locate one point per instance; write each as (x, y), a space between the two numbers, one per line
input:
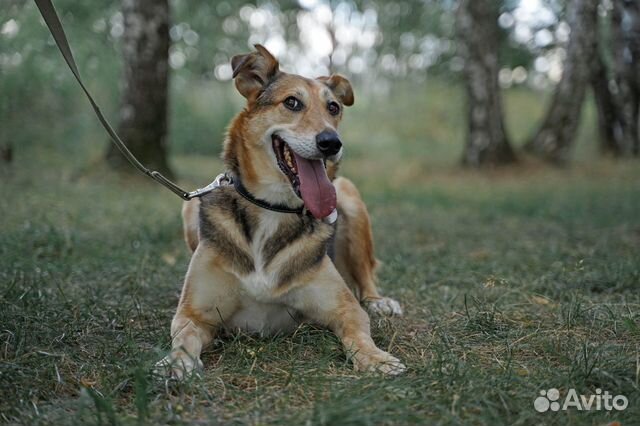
(557, 132)
(477, 27)
(143, 106)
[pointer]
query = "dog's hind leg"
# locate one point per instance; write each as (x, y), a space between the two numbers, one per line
(190, 220)
(209, 297)
(354, 256)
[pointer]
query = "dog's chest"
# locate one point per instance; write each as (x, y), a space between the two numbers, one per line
(267, 251)
(283, 248)
(261, 282)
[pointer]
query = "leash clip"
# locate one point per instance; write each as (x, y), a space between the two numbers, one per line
(223, 179)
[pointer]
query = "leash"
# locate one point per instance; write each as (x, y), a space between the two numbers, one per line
(52, 20)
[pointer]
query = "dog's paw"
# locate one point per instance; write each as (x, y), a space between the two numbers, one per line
(178, 365)
(380, 362)
(383, 306)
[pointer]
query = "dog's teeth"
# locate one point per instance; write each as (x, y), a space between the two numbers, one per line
(288, 158)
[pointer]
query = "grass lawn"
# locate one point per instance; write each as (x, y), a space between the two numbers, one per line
(512, 282)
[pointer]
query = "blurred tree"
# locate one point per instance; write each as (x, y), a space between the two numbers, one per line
(143, 107)
(6, 153)
(477, 25)
(625, 28)
(609, 126)
(555, 136)
(6, 147)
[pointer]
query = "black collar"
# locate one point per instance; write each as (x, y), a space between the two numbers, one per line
(281, 208)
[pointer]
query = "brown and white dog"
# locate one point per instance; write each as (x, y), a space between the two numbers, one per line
(264, 271)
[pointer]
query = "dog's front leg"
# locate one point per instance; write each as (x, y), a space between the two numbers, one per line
(209, 296)
(327, 300)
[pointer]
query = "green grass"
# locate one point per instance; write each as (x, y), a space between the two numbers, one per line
(512, 281)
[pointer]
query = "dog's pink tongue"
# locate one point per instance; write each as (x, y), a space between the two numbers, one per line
(318, 193)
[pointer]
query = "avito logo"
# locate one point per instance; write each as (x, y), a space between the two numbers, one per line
(550, 400)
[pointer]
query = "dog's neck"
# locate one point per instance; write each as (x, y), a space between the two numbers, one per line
(276, 193)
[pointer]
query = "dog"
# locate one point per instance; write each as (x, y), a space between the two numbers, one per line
(265, 253)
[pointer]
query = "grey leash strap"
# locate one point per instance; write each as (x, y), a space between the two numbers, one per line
(50, 16)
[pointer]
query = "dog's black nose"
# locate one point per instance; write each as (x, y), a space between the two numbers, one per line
(328, 143)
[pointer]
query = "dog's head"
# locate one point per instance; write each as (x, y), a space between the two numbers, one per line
(288, 131)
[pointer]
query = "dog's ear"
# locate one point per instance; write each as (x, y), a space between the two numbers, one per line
(253, 71)
(340, 87)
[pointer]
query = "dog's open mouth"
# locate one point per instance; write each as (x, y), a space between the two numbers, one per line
(286, 162)
(308, 178)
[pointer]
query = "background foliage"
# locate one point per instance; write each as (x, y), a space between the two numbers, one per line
(402, 41)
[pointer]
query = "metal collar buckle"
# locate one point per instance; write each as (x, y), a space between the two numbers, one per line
(223, 179)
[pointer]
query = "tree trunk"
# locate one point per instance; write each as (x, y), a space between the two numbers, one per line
(477, 27)
(556, 134)
(6, 153)
(609, 125)
(625, 28)
(143, 107)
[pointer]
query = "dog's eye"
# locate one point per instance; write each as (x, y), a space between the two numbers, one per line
(334, 108)
(293, 103)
